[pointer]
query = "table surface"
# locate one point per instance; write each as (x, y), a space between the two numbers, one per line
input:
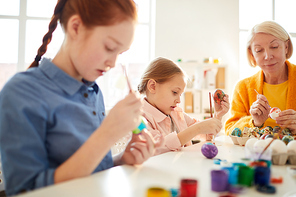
(164, 171)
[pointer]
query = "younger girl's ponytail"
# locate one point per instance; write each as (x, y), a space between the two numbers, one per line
(48, 36)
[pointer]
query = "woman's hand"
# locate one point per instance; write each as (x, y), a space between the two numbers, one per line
(140, 148)
(222, 109)
(287, 119)
(259, 110)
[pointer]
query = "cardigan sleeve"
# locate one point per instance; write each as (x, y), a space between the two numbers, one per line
(240, 105)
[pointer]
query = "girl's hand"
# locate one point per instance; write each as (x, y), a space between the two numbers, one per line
(140, 148)
(223, 108)
(287, 119)
(259, 110)
(210, 126)
(124, 116)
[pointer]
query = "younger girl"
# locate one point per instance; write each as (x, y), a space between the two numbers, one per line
(52, 119)
(163, 83)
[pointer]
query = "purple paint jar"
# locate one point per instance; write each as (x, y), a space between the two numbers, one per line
(219, 180)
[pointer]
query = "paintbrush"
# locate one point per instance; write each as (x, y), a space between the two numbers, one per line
(266, 148)
(127, 80)
(266, 102)
(142, 125)
(210, 98)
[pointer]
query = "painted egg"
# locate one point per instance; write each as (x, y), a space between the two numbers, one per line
(219, 96)
(276, 129)
(245, 132)
(287, 139)
(263, 136)
(286, 131)
(274, 112)
(269, 136)
(236, 132)
(209, 150)
(276, 136)
(269, 127)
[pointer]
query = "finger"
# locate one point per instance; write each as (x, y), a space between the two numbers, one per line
(282, 118)
(138, 157)
(261, 97)
(137, 138)
(132, 98)
(149, 141)
(262, 105)
(143, 150)
(264, 108)
(287, 123)
(225, 105)
(288, 112)
(256, 111)
(226, 98)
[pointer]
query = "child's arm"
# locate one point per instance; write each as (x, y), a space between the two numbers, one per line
(122, 118)
(209, 126)
(221, 109)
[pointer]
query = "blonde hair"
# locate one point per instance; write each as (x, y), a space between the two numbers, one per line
(272, 28)
(161, 70)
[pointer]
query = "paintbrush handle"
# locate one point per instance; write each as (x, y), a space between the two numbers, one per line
(210, 98)
(266, 102)
(127, 80)
(266, 148)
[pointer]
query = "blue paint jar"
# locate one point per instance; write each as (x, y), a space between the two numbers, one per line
(262, 175)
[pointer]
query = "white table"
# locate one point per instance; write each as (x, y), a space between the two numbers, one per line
(164, 171)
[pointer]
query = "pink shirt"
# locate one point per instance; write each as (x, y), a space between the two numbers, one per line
(159, 123)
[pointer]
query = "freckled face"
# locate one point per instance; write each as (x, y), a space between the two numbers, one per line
(168, 94)
(269, 52)
(97, 49)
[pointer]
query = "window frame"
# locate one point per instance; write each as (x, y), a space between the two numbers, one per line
(23, 18)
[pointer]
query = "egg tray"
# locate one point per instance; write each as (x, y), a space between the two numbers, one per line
(239, 140)
(283, 158)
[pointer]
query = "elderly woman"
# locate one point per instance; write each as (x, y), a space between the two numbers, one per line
(269, 46)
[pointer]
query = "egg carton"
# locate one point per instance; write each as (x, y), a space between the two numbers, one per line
(239, 140)
(283, 158)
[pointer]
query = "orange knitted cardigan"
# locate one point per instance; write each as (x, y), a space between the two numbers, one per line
(244, 95)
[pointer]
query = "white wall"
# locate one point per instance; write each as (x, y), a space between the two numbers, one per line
(195, 29)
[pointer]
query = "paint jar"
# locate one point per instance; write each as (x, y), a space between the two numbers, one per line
(189, 188)
(245, 175)
(262, 175)
(219, 180)
(232, 174)
(157, 192)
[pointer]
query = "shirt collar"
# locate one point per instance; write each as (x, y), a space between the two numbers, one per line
(62, 79)
(91, 85)
(157, 114)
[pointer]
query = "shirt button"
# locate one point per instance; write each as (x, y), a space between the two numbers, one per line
(85, 95)
(103, 113)
(94, 113)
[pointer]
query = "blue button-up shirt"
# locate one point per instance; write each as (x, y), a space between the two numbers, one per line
(45, 116)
